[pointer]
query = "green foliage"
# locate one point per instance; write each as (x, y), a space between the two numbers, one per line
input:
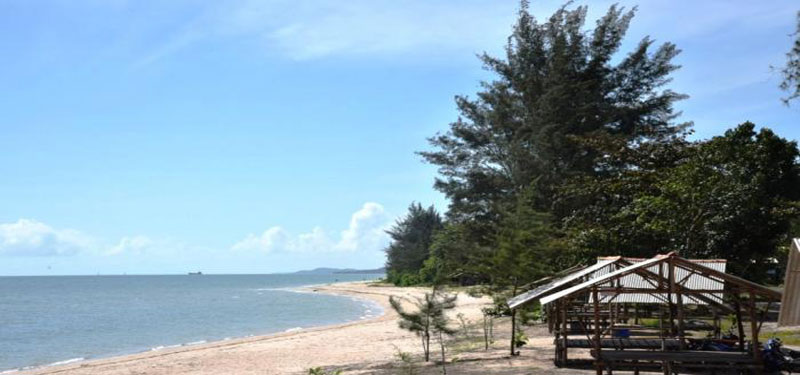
(573, 150)
(408, 278)
(321, 371)
(460, 254)
(528, 245)
(530, 314)
(520, 339)
(428, 319)
(430, 272)
(734, 196)
(556, 91)
(407, 362)
(411, 242)
(562, 101)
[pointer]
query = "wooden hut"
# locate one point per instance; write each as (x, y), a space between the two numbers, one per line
(665, 279)
(790, 304)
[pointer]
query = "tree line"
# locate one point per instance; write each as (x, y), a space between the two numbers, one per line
(575, 150)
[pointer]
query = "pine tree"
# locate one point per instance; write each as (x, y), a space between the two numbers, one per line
(429, 320)
(556, 107)
(791, 72)
(412, 237)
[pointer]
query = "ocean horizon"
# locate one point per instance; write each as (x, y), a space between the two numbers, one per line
(52, 320)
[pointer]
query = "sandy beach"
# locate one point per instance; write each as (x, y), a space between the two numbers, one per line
(363, 347)
(355, 345)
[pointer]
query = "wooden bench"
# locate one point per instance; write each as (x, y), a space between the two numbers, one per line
(620, 343)
(706, 361)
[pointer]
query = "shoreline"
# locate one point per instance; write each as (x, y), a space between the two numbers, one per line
(358, 347)
(342, 289)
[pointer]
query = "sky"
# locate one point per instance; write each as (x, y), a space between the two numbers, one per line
(150, 137)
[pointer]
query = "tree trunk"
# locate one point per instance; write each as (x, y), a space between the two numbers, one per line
(485, 332)
(427, 347)
(513, 331)
(444, 361)
(491, 328)
(514, 323)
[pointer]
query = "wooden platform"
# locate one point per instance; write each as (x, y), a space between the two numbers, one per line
(683, 356)
(612, 343)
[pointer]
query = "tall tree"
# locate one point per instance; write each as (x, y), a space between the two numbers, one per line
(558, 103)
(791, 72)
(734, 196)
(411, 242)
(528, 247)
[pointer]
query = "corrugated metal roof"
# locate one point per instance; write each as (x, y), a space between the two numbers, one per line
(682, 275)
(554, 285)
(601, 279)
(606, 265)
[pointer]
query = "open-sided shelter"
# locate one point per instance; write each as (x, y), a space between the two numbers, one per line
(666, 279)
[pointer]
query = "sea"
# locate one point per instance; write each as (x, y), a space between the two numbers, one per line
(52, 320)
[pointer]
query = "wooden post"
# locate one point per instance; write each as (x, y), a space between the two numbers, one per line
(598, 362)
(513, 331)
(661, 327)
(738, 307)
(557, 326)
(671, 286)
(679, 300)
(756, 347)
(514, 323)
(566, 328)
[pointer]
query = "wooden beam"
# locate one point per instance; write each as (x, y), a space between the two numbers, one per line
(728, 278)
(756, 348)
(660, 277)
(679, 300)
(599, 361)
(738, 307)
(672, 287)
(678, 288)
(566, 332)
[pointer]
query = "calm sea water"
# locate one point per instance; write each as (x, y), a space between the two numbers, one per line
(47, 320)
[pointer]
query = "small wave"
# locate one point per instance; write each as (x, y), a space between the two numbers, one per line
(72, 360)
(13, 370)
(295, 329)
(161, 347)
(195, 343)
(301, 290)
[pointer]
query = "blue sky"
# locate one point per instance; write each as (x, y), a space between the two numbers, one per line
(267, 136)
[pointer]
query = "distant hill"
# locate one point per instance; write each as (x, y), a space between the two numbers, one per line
(331, 271)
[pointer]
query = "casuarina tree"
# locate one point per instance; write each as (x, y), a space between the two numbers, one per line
(428, 319)
(412, 237)
(561, 98)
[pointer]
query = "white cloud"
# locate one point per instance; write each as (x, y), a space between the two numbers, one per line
(365, 232)
(131, 245)
(311, 30)
(33, 238)
(272, 239)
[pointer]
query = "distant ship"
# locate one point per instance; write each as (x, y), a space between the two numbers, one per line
(196, 273)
